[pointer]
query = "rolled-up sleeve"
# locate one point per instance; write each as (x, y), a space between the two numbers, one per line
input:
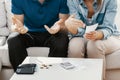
(73, 9)
(63, 7)
(17, 7)
(107, 27)
(81, 32)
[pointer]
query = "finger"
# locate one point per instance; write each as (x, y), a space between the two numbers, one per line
(79, 21)
(47, 28)
(72, 16)
(89, 34)
(23, 31)
(60, 21)
(78, 25)
(54, 29)
(93, 32)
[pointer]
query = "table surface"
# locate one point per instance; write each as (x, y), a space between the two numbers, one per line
(85, 69)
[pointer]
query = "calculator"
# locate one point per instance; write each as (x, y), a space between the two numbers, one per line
(67, 65)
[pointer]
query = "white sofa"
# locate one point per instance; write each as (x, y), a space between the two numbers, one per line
(113, 65)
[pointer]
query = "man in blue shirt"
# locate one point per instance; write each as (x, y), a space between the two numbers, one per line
(31, 19)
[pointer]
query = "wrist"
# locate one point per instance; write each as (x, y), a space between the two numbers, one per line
(100, 35)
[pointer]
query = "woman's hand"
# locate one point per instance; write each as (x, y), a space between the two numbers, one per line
(72, 24)
(18, 26)
(94, 35)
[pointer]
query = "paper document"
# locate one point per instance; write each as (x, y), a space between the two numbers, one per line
(91, 28)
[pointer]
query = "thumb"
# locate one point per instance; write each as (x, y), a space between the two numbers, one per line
(47, 28)
(72, 16)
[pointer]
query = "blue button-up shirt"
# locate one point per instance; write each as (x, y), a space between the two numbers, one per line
(37, 15)
(105, 16)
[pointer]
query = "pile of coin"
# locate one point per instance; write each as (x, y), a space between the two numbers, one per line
(44, 66)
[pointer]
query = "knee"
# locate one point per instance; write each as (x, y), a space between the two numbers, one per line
(76, 48)
(13, 41)
(95, 49)
(10, 41)
(61, 43)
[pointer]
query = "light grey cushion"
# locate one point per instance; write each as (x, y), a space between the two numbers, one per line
(4, 55)
(38, 51)
(8, 13)
(2, 14)
(4, 31)
(113, 60)
(32, 51)
(2, 40)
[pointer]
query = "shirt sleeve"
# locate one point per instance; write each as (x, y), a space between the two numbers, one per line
(73, 9)
(107, 26)
(17, 7)
(81, 32)
(63, 7)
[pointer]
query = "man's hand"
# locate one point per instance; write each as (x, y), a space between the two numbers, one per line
(55, 28)
(73, 24)
(18, 26)
(94, 35)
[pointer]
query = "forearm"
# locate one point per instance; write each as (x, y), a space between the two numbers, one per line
(73, 31)
(62, 19)
(19, 17)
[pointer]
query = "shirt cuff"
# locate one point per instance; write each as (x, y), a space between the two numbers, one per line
(81, 32)
(106, 34)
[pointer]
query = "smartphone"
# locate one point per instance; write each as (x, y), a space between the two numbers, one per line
(26, 69)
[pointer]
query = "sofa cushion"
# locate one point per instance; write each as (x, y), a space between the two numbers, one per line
(38, 51)
(2, 40)
(8, 13)
(4, 55)
(4, 31)
(2, 14)
(32, 51)
(113, 60)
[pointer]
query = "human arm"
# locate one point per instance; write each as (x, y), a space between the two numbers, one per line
(63, 15)
(106, 28)
(18, 17)
(18, 22)
(59, 25)
(74, 23)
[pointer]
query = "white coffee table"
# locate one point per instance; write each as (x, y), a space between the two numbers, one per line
(86, 69)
